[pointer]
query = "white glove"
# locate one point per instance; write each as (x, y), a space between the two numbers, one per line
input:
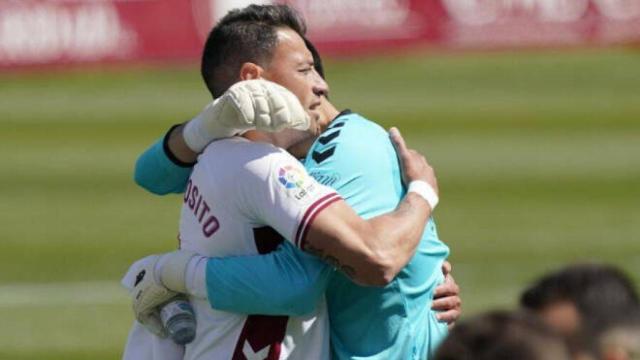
(250, 104)
(160, 279)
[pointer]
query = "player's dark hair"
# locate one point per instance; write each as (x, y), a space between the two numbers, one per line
(502, 335)
(317, 60)
(244, 35)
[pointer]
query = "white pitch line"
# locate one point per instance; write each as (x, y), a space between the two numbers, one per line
(62, 293)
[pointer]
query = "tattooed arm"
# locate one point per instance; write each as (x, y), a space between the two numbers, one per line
(370, 252)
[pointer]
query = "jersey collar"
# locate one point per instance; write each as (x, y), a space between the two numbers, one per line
(342, 113)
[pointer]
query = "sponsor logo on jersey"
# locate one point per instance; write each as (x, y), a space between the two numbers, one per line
(327, 179)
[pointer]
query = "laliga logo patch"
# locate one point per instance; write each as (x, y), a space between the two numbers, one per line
(290, 177)
(296, 182)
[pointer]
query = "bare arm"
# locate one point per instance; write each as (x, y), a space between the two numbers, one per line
(178, 147)
(369, 252)
(373, 252)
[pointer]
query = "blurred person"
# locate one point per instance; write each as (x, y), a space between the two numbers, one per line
(391, 322)
(620, 340)
(617, 337)
(503, 335)
(580, 299)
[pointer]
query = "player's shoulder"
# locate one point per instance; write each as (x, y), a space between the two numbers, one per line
(353, 131)
(353, 123)
(353, 134)
(240, 156)
(240, 147)
(350, 143)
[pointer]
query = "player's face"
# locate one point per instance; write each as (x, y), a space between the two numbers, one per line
(292, 67)
(562, 316)
(327, 112)
(300, 148)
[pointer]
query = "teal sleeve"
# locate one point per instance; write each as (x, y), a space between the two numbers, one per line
(156, 173)
(286, 281)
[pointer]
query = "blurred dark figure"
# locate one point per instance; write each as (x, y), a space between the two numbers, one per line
(621, 339)
(503, 335)
(581, 302)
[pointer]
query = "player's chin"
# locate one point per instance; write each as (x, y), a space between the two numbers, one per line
(315, 128)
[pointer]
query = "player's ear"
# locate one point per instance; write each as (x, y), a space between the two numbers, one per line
(251, 71)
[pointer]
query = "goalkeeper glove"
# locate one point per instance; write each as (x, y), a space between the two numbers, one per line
(250, 104)
(160, 279)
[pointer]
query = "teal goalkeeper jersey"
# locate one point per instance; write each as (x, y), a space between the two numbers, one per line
(356, 157)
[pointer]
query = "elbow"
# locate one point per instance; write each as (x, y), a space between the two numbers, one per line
(374, 280)
(376, 266)
(380, 271)
(143, 180)
(387, 275)
(146, 183)
(158, 183)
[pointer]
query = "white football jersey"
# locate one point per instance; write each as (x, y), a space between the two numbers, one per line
(238, 194)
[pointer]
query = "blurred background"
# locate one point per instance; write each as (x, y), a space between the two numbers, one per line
(528, 109)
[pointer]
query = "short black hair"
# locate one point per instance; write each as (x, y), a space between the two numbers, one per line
(244, 35)
(317, 60)
(502, 335)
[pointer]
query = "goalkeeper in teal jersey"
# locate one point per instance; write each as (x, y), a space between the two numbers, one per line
(355, 157)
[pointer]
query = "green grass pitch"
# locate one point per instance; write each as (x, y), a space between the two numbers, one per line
(537, 154)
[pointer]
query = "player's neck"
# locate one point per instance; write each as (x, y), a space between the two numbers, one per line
(329, 110)
(258, 136)
(283, 139)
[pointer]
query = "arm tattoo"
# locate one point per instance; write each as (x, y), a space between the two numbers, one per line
(349, 271)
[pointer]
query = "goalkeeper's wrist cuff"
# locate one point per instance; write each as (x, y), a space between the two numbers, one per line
(207, 126)
(171, 270)
(196, 277)
(424, 190)
(194, 135)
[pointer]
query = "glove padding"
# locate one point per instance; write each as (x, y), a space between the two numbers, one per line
(160, 279)
(251, 104)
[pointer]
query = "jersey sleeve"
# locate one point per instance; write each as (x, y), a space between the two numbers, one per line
(156, 173)
(286, 281)
(281, 194)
